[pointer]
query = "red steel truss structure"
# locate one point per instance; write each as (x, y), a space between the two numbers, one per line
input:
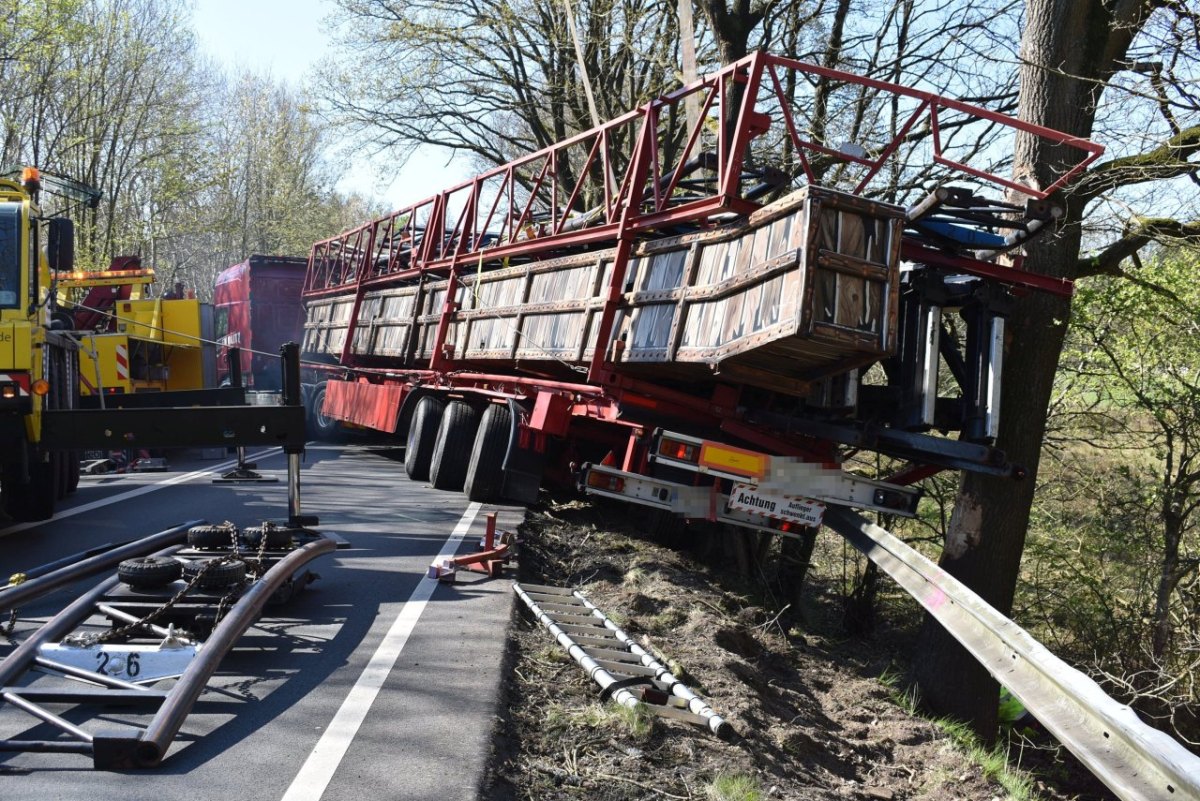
(630, 177)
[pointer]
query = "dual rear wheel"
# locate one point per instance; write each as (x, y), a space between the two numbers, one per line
(455, 447)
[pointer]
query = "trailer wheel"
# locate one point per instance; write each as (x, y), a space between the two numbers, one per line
(321, 426)
(217, 575)
(277, 538)
(422, 436)
(13, 493)
(208, 538)
(73, 460)
(149, 571)
(485, 473)
(452, 449)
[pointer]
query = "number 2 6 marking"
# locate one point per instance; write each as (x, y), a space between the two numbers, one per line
(132, 665)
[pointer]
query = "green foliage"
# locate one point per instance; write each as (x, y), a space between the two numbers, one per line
(197, 172)
(1110, 574)
(734, 787)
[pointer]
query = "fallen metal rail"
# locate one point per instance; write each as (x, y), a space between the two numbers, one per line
(139, 747)
(46, 581)
(612, 659)
(1135, 761)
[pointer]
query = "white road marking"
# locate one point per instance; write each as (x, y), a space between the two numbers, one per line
(142, 490)
(317, 771)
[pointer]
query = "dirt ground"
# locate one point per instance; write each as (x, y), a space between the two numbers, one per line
(812, 717)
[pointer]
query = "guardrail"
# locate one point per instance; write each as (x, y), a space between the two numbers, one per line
(1135, 761)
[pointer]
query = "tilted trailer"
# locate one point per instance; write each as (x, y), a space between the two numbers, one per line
(698, 316)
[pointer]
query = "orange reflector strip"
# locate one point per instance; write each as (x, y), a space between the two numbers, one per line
(733, 460)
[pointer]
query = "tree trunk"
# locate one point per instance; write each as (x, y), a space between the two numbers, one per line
(1069, 50)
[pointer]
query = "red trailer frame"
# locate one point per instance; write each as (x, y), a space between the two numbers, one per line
(629, 180)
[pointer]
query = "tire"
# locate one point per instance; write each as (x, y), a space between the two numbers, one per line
(216, 576)
(43, 488)
(278, 539)
(320, 426)
(212, 538)
(14, 492)
(422, 436)
(485, 473)
(149, 571)
(73, 460)
(452, 448)
(62, 474)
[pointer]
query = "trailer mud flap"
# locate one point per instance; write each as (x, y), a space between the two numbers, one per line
(374, 406)
(525, 460)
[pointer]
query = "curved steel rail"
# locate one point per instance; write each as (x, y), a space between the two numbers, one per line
(149, 746)
(1136, 761)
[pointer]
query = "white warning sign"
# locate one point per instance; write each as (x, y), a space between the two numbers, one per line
(778, 505)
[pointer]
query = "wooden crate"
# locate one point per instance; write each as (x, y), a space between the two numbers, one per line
(805, 288)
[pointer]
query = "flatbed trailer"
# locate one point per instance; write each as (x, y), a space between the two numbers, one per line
(731, 281)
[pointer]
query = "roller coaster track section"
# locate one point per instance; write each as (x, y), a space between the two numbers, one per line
(147, 645)
(1136, 762)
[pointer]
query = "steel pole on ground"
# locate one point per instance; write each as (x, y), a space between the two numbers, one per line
(605, 679)
(151, 746)
(17, 594)
(696, 704)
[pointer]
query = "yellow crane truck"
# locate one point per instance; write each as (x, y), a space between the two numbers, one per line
(129, 340)
(39, 360)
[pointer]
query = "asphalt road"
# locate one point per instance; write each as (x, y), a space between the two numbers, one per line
(376, 682)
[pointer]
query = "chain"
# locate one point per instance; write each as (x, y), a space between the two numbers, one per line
(13, 580)
(12, 624)
(85, 640)
(257, 563)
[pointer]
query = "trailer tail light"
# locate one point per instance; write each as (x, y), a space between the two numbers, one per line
(679, 451)
(9, 391)
(605, 482)
(40, 387)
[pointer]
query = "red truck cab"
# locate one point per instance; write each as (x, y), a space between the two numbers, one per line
(257, 308)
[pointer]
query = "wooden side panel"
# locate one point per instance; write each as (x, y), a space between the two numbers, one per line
(806, 288)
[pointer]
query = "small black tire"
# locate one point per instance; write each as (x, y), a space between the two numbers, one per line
(321, 426)
(212, 538)
(278, 539)
(149, 571)
(452, 449)
(216, 576)
(485, 473)
(422, 436)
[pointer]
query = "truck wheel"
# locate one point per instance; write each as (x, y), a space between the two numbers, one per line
(205, 538)
(485, 473)
(278, 539)
(216, 576)
(149, 571)
(452, 449)
(73, 460)
(14, 493)
(422, 436)
(62, 473)
(43, 488)
(321, 426)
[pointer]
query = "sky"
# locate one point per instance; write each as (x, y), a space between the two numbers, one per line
(286, 39)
